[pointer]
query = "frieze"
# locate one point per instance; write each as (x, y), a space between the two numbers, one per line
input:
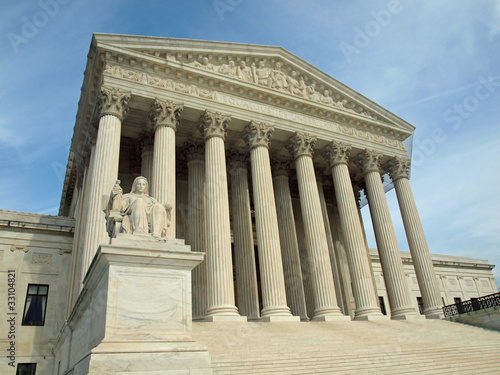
(214, 95)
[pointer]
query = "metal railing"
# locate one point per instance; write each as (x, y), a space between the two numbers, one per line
(474, 304)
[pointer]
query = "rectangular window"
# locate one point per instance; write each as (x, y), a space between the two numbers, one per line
(457, 299)
(36, 305)
(420, 304)
(26, 369)
(382, 305)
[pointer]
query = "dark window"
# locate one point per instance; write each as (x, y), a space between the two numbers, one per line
(420, 305)
(457, 299)
(36, 305)
(26, 369)
(382, 305)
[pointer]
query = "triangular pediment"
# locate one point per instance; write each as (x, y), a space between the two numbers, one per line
(261, 71)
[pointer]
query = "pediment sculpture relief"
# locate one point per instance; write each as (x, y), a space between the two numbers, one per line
(275, 78)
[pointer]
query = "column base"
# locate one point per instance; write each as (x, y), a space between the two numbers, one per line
(404, 313)
(332, 318)
(222, 310)
(277, 318)
(363, 314)
(408, 317)
(370, 318)
(225, 318)
(434, 313)
(275, 311)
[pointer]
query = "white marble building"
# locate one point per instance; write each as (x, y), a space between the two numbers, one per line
(259, 159)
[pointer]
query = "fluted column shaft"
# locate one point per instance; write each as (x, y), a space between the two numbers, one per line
(111, 107)
(422, 261)
(364, 295)
(331, 248)
(218, 258)
(390, 258)
(165, 117)
(104, 176)
(325, 301)
(196, 226)
(272, 278)
(289, 245)
(305, 264)
(147, 162)
(244, 258)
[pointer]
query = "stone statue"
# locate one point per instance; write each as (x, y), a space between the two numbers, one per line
(137, 211)
(205, 64)
(244, 72)
(312, 93)
(262, 74)
(278, 77)
(228, 69)
(326, 98)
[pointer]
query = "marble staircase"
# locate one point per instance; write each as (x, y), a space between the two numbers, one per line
(361, 347)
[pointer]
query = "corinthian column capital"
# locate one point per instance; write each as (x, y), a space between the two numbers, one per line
(213, 124)
(280, 166)
(193, 151)
(113, 101)
(165, 113)
(301, 144)
(257, 134)
(398, 168)
(337, 153)
(369, 161)
(237, 159)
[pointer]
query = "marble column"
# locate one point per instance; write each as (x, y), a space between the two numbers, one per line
(337, 154)
(288, 239)
(258, 136)
(221, 306)
(244, 253)
(146, 146)
(196, 235)
(390, 258)
(329, 238)
(305, 264)
(165, 116)
(112, 107)
(325, 301)
(424, 269)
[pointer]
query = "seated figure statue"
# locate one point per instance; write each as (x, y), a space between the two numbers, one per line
(139, 213)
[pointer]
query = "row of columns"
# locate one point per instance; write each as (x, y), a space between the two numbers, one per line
(209, 224)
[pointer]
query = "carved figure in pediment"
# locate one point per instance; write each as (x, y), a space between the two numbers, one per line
(293, 84)
(312, 94)
(228, 69)
(326, 98)
(205, 64)
(244, 72)
(278, 77)
(302, 88)
(138, 212)
(262, 74)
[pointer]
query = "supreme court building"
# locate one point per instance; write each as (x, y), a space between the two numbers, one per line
(260, 159)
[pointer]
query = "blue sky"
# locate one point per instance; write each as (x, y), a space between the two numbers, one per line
(433, 63)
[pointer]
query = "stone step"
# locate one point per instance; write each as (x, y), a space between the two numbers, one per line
(379, 347)
(402, 363)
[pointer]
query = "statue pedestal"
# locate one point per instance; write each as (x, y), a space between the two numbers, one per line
(134, 313)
